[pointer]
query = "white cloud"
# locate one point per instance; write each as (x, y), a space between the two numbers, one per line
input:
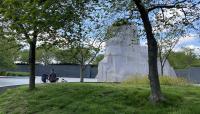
(191, 41)
(187, 38)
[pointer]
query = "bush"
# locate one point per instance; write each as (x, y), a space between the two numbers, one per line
(18, 74)
(14, 73)
(164, 80)
(3, 73)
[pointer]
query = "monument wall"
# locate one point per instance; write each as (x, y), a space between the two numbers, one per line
(62, 70)
(192, 74)
(124, 57)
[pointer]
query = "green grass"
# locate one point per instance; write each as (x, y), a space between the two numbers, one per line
(164, 80)
(98, 98)
(14, 73)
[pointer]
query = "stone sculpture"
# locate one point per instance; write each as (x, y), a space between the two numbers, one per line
(124, 57)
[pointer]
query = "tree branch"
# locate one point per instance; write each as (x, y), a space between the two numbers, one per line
(165, 6)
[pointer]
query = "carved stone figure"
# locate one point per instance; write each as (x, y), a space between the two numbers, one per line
(124, 57)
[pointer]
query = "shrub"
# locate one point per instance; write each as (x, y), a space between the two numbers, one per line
(18, 74)
(2, 73)
(164, 80)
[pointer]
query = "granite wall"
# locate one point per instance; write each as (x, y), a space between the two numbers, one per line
(62, 70)
(72, 70)
(192, 74)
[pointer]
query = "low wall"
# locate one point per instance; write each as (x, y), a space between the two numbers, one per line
(72, 70)
(62, 70)
(192, 74)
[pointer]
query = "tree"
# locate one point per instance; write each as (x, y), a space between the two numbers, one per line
(23, 56)
(9, 48)
(152, 44)
(31, 21)
(84, 55)
(82, 51)
(182, 60)
(86, 40)
(46, 54)
(98, 59)
(168, 30)
(152, 53)
(145, 8)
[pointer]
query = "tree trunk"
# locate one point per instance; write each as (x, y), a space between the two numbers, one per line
(81, 73)
(162, 69)
(32, 63)
(152, 54)
(161, 61)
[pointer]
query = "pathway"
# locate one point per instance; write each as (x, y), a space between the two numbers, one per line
(12, 81)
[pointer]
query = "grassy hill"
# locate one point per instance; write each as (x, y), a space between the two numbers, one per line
(98, 98)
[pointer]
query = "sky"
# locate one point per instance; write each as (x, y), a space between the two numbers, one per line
(191, 40)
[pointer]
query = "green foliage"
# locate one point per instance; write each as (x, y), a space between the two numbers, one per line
(112, 30)
(43, 55)
(8, 51)
(181, 60)
(23, 56)
(68, 56)
(121, 22)
(14, 73)
(30, 21)
(74, 55)
(98, 59)
(46, 54)
(18, 74)
(3, 73)
(29, 15)
(164, 80)
(97, 98)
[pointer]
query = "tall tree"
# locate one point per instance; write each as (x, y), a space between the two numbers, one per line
(35, 20)
(152, 53)
(87, 36)
(143, 9)
(151, 41)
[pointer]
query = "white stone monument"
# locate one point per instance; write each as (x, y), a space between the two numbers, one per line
(124, 57)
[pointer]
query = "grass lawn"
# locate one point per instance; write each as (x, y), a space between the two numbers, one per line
(98, 98)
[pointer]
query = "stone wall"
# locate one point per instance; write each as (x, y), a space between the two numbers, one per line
(125, 58)
(192, 74)
(72, 70)
(62, 70)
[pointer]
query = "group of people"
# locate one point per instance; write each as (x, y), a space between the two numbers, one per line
(52, 77)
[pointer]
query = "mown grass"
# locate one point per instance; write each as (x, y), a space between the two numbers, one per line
(99, 98)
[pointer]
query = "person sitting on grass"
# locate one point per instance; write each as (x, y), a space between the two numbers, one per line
(53, 77)
(44, 78)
